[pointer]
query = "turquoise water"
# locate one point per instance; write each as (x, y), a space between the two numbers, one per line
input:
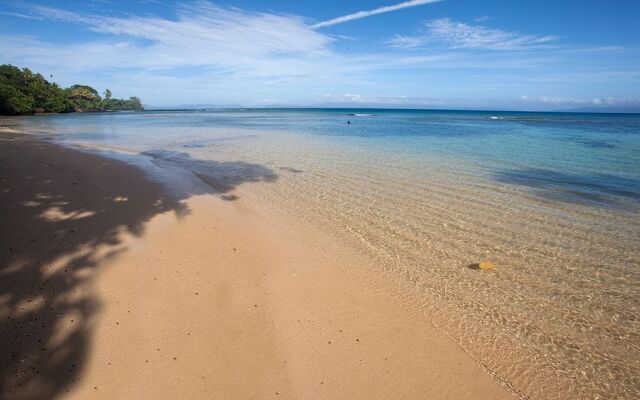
(552, 198)
(591, 158)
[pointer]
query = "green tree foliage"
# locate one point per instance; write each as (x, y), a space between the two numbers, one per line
(135, 103)
(13, 101)
(120, 104)
(84, 98)
(23, 92)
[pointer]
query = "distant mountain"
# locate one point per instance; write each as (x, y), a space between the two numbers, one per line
(193, 106)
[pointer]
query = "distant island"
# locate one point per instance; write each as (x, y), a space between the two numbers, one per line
(23, 92)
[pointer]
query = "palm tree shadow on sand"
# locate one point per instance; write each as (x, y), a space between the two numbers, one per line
(62, 214)
(221, 176)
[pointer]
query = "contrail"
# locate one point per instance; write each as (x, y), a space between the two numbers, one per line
(364, 14)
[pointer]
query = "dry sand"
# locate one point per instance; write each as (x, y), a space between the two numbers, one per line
(110, 287)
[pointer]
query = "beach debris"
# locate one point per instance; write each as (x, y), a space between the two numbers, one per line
(485, 265)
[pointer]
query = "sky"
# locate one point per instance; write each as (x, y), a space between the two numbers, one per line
(472, 54)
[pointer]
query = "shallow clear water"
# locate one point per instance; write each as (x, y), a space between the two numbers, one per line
(552, 199)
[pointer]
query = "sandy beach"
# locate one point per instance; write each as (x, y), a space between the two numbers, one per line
(114, 285)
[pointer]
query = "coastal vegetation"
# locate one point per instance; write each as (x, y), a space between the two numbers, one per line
(23, 92)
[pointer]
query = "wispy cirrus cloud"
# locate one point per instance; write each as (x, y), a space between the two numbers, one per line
(19, 15)
(211, 33)
(375, 11)
(224, 40)
(459, 35)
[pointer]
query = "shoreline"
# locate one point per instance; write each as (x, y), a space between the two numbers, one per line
(192, 294)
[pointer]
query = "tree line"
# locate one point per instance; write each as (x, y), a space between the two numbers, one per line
(23, 92)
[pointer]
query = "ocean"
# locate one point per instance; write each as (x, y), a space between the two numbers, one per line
(552, 199)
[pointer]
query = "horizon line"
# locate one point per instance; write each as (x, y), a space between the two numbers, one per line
(577, 110)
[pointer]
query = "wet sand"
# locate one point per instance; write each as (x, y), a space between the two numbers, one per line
(113, 286)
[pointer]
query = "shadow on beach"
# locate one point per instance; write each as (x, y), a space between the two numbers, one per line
(222, 176)
(63, 213)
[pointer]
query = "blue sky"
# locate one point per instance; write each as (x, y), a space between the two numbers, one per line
(506, 54)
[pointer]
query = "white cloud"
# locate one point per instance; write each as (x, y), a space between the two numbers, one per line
(459, 35)
(206, 34)
(19, 15)
(373, 100)
(353, 98)
(595, 101)
(376, 11)
(407, 42)
(482, 18)
(228, 42)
